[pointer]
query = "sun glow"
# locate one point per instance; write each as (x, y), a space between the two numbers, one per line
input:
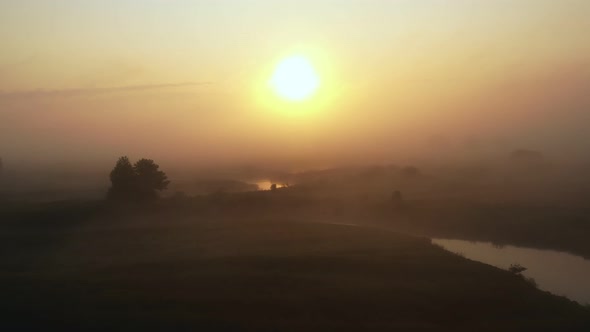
(295, 79)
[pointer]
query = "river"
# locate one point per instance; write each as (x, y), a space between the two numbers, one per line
(557, 272)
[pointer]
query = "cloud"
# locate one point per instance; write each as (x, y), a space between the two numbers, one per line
(77, 92)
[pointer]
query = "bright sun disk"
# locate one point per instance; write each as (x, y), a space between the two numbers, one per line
(295, 79)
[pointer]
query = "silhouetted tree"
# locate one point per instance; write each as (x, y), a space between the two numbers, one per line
(273, 187)
(150, 179)
(140, 181)
(123, 180)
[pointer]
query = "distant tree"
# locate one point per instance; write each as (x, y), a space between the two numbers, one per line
(150, 180)
(123, 180)
(273, 187)
(140, 181)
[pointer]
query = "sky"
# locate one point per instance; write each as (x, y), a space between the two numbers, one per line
(187, 81)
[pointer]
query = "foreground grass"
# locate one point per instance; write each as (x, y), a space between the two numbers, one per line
(165, 273)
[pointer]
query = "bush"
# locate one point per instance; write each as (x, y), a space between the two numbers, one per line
(516, 268)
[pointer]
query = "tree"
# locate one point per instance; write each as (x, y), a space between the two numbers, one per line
(123, 180)
(150, 179)
(140, 181)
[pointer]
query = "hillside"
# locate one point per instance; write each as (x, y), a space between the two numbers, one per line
(158, 272)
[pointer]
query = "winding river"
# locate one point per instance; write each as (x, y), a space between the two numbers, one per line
(557, 272)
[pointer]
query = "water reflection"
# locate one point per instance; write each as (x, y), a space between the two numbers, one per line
(265, 185)
(557, 272)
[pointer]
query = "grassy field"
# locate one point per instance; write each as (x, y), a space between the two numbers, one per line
(172, 272)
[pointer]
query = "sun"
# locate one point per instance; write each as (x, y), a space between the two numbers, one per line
(295, 79)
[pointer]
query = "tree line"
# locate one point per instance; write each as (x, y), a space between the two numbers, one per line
(141, 181)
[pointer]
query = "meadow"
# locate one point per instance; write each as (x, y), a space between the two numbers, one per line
(242, 262)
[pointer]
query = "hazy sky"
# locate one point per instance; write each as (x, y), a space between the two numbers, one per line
(184, 80)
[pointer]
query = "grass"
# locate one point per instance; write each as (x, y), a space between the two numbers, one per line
(170, 271)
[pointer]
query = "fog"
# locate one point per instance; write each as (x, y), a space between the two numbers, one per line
(405, 83)
(445, 105)
(549, 114)
(264, 165)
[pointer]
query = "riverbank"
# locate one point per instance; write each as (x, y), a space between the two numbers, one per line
(161, 271)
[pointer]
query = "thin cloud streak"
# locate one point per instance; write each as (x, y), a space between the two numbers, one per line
(66, 93)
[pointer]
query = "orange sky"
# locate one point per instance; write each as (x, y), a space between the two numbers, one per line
(186, 80)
